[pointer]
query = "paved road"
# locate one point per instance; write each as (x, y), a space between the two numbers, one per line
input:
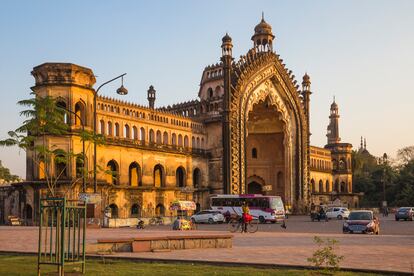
(303, 224)
(392, 250)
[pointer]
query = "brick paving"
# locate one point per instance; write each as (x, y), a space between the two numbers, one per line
(383, 252)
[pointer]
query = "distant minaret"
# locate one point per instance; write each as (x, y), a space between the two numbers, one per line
(151, 96)
(333, 127)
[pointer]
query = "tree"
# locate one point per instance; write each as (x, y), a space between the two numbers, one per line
(44, 117)
(406, 154)
(6, 175)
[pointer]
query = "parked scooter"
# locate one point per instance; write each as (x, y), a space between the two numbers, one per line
(318, 214)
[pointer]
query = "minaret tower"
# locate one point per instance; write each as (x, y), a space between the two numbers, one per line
(333, 127)
(306, 92)
(226, 59)
(151, 96)
(263, 37)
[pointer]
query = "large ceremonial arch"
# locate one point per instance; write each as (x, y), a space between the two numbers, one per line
(265, 109)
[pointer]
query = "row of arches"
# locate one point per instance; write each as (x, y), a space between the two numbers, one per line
(325, 187)
(159, 175)
(156, 137)
(136, 211)
(320, 164)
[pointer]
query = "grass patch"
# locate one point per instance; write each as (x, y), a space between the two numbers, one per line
(27, 265)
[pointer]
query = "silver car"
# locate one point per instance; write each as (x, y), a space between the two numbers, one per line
(208, 216)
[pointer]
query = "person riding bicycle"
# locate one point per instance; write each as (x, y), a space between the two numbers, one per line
(246, 217)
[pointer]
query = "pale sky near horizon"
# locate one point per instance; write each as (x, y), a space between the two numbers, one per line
(359, 51)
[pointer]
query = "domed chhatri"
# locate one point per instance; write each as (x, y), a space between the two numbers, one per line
(226, 38)
(306, 79)
(263, 36)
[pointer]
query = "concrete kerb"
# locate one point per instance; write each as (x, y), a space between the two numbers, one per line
(217, 263)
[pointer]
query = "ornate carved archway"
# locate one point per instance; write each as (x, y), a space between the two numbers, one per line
(256, 77)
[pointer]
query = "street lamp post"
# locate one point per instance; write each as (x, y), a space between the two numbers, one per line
(83, 146)
(121, 91)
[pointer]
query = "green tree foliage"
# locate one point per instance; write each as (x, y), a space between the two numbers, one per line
(372, 175)
(6, 175)
(44, 117)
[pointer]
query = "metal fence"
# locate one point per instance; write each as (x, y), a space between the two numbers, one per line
(62, 229)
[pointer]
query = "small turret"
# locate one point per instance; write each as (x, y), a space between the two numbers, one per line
(151, 96)
(333, 127)
(263, 36)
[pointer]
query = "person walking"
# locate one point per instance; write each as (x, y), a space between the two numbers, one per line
(246, 217)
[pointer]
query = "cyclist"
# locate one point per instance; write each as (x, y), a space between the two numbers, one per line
(246, 217)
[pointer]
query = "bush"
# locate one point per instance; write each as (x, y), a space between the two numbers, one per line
(325, 256)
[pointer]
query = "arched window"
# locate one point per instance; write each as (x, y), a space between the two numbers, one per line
(327, 187)
(79, 166)
(174, 139)
(280, 182)
(61, 170)
(198, 142)
(142, 134)
(28, 210)
(313, 186)
(135, 210)
(116, 129)
(180, 140)
(160, 210)
(254, 153)
(42, 169)
(113, 172)
(80, 113)
(342, 164)
(337, 188)
(126, 132)
(134, 174)
(197, 178)
(202, 143)
(159, 137)
(343, 187)
(210, 92)
(134, 133)
(335, 164)
(180, 177)
(165, 138)
(186, 141)
(321, 186)
(217, 91)
(193, 143)
(159, 176)
(62, 107)
(109, 129)
(102, 127)
(114, 210)
(151, 136)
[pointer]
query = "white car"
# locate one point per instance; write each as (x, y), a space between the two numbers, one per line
(208, 216)
(337, 212)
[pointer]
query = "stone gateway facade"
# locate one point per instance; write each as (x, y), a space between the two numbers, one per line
(247, 132)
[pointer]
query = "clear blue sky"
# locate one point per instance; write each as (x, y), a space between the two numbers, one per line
(359, 51)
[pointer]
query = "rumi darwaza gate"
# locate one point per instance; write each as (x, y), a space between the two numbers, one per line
(248, 132)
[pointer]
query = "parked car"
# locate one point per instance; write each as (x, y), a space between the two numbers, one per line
(208, 216)
(405, 213)
(337, 212)
(362, 221)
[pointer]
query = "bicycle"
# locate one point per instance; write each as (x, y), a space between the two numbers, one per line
(156, 221)
(236, 224)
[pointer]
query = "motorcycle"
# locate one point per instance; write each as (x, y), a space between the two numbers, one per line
(318, 216)
(141, 224)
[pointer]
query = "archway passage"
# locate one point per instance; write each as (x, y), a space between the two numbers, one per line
(254, 188)
(265, 148)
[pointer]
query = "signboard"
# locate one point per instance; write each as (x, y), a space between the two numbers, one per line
(267, 188)
(90, 198)
(183, 205)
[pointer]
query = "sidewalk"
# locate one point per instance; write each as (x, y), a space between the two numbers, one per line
(384, 252)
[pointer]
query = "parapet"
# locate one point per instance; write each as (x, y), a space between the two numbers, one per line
(63, 74)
